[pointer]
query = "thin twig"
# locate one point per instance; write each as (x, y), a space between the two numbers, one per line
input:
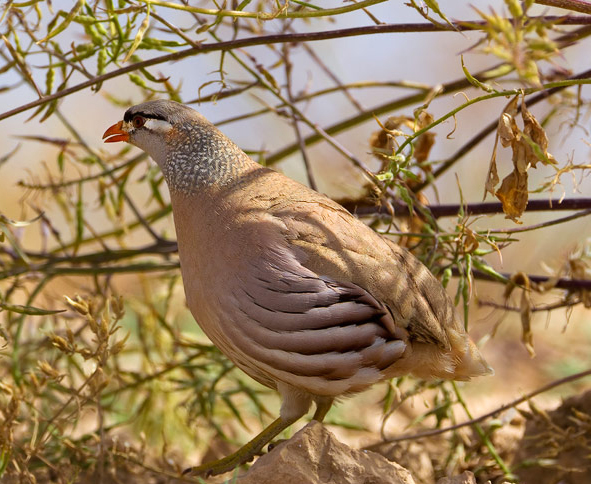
(562, 283)
(507, 406)
(339, 85)
(268, 39)
(103, 165)
(295, 121)
(545, 307)
(574, 5)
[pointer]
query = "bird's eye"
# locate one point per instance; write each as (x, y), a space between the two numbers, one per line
(138, 121)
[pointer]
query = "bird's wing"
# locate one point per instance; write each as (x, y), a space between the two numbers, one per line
(295, 321)
(333, 243)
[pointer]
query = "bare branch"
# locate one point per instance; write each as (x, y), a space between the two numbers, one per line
(501, 409)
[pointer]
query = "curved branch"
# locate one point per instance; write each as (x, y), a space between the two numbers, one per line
(271, 39)
(574, 5)
(507, 406)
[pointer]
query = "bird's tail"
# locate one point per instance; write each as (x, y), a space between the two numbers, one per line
(471, 363)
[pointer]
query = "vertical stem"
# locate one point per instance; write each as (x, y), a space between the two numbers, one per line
(296, 127)
(491, 448)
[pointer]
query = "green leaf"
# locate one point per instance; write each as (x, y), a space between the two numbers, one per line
(405, 195)
(243, 5)
(139, 36)
(138, 81)
(475, 82)
(433, 5)
(447, 273)
(61, 27)
(483, 267)
(29, 310)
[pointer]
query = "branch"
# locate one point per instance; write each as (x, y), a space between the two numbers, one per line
(499, 410)
(574, 5)
(282, 14)
(562, 283)
(362, 208)
(534, 309)
(275, 39)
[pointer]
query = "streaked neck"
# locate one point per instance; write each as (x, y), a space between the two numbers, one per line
(203, 158)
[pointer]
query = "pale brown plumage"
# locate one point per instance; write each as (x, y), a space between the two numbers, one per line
(295, 290)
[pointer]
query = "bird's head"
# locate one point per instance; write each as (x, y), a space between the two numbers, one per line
(152, 126)
(190, 150)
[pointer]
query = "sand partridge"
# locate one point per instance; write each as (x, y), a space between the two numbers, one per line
(296, 291)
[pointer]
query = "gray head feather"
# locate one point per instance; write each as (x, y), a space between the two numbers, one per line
(195, 154)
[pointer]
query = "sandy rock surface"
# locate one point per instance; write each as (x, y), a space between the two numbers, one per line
(315, 456)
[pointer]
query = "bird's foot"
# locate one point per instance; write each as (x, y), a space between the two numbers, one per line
(221, 466)
(244, 454)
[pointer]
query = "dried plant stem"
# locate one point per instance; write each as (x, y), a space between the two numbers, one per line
(485, 438)
(574, 5)
(294, 118)
(493, 413)
(561, 283)
(546, 307)
(259, 40)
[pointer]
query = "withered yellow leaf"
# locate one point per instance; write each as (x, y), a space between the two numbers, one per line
(513, 195)
(533, 129)
(425, 141)
(492, 177)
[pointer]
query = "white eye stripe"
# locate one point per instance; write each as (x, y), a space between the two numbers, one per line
(158, 125)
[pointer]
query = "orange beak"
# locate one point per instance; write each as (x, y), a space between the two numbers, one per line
(115, 133)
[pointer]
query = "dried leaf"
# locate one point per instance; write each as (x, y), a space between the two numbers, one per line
(425, 141)
(492, 177)
(581, 270)
(507, 129)
(383, 141)
(47, 369)
(470, 242)
(513, 195)
(528, 148)
(78, 304)
(506, 133)
(536, 134)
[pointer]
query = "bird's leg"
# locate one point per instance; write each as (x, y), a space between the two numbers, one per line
(322, 407)
(245, 453)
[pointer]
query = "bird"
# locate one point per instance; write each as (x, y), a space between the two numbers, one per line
(296, 291)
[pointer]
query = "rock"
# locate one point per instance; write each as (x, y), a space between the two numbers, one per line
(465, 477)
(315, 456)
